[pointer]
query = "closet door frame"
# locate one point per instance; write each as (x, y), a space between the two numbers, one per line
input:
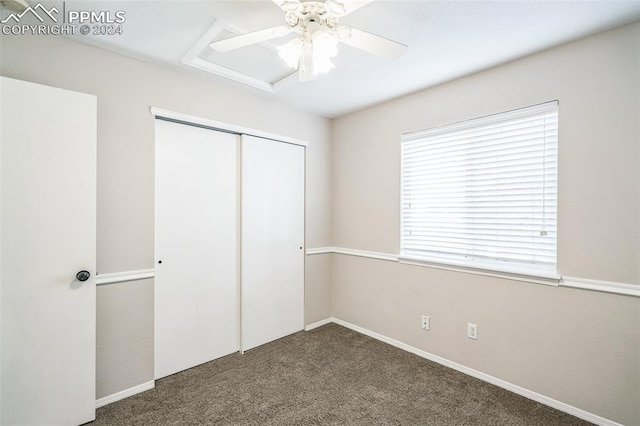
(192, 120)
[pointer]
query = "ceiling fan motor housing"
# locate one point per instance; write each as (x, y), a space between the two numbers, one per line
(311, 17)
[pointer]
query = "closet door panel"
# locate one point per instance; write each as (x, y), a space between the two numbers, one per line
(272, 240)
(196, 282)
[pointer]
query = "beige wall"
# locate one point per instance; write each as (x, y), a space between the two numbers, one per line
(576, 346)
(124, 343)
(126, 88)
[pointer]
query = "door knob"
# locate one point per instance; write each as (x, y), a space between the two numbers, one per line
(83, 275)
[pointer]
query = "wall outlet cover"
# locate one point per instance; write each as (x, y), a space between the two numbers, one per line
(426, 323)
(472, 331)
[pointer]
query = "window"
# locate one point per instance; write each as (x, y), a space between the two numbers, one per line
(483, 193)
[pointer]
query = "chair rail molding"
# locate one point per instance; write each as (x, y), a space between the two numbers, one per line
(602, 286)
(624, 289)
(123, 277)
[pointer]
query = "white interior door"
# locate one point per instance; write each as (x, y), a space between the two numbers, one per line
(196, 280)
(48, 229)
(273, 179)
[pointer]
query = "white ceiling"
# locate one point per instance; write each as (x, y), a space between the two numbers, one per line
(446, 39)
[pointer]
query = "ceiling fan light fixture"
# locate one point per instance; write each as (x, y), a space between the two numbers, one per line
(325, 47)
(343, 32)
(292, 6)
(291, 52)
(306, 63)
(313, 57)
(335, 8)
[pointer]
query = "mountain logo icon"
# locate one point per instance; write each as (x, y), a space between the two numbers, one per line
(39, 11)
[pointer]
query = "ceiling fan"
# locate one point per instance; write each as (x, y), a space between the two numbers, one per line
(317, 36)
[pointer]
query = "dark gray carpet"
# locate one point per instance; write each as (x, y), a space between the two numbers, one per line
(328, 376)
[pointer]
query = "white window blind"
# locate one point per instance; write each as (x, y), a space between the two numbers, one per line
(483, 193)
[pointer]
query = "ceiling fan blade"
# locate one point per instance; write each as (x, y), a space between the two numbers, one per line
(247, 39)
(373, 43)
(289, 5)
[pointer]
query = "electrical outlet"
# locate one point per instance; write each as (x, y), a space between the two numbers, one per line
(426, 323)
(472, 331)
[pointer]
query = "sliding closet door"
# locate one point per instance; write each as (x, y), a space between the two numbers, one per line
(272, 240)
(196, 281)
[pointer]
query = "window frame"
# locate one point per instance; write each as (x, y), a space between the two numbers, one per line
(515, 271)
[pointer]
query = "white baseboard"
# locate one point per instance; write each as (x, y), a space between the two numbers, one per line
(585, 415)
(125, 393)
(317, 324)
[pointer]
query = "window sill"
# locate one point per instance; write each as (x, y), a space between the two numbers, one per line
(517, 274)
